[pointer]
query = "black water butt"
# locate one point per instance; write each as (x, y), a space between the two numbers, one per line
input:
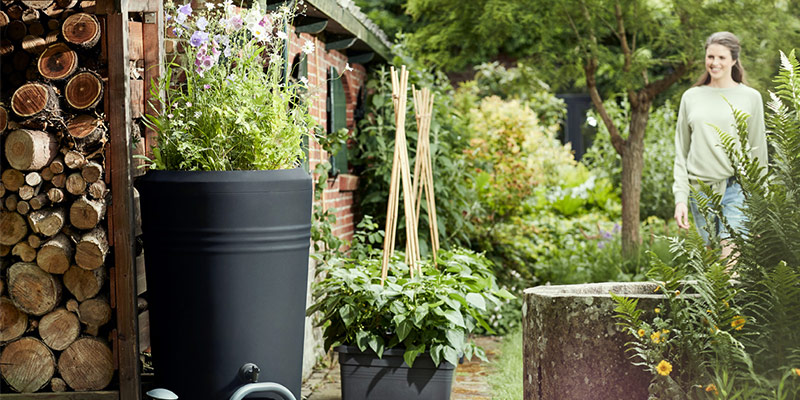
(365, 376)
(227, 267)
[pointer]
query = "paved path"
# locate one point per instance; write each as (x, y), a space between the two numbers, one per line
(471, 378)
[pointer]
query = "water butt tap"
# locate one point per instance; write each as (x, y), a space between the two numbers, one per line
(249, 373)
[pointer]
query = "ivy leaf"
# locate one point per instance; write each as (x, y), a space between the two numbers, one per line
(348, 314)
(376, 344)
(412, 352)
(456, 338)
(476, 300)
(362, 340)
(455, 317)
(451, 355)
(403, 329)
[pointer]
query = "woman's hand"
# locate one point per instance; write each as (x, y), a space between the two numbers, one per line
(682, 215)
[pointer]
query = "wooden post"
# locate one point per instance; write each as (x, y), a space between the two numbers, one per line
(153, 37)
(122, 192)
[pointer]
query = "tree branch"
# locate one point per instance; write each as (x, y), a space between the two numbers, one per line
(623, 39)
(616, 139)
(652, 90)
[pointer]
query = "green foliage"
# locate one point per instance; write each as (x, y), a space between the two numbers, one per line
(389, 15)
(659, 145)
(743, 336)
(512, 153)
(234, 111)
(434, 312)
(507, 369)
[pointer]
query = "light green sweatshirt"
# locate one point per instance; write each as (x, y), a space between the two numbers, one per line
(699, 155)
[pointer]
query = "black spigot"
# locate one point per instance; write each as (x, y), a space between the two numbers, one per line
(249, 373)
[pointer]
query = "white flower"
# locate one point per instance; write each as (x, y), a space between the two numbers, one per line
(252, 17)
(591, 121)
(188, 104)
(170, 115)
(210, 6)
(281, 35)
(197, 114)
(347, 67)
(304, 80)
(308, 47)
(259, 32)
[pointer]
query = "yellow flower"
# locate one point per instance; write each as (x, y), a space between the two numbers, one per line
(657, 288)
(796, 371)
(726, 304)
(656, 337)
(657, 310)
(712, 388)
(738, 322)
(665, 331)
(677, 293)
(640, 332)
(664, 368)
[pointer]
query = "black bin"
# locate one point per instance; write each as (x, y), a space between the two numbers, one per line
(226, 254)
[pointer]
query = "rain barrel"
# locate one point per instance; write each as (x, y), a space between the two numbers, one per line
(226, 255)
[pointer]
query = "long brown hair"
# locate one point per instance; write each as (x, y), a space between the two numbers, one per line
(730, 41)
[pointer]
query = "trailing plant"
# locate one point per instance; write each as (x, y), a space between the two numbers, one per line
(741, 337)
(433, 312)
(226, 105)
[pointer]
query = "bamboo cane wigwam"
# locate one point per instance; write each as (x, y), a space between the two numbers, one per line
(423, 170)
(400, 171)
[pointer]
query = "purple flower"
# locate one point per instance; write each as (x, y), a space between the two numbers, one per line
(202, 23)
(198, 38)
(177, 31)
(235, 23)
(185, 9)
(206, 86)
(167, 17)
(617, 228)
(601, 244)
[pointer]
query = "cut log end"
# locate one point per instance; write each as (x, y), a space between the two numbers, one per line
(54, 256)
(34, 99)
(59, 328)
(13, 322)
(27, 364)
(81, 29)
(29, 150)
(57, 62)
(83, 91)
(87, 364)
(33, 291)
(12, 228)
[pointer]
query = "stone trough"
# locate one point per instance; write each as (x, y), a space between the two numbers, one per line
(573, 348)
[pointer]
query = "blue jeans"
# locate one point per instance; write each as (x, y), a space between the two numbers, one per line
(732, 204)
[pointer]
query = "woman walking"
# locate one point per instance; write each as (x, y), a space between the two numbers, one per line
(699, 155)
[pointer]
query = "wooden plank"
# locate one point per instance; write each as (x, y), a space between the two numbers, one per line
(144, 5)
(104, 395)
(153, 38)
(361, 58)
(137, 98)
(144, 330)
(310, 25)
(135, 46)
(122, 197)
(347, 20)
(141, 277)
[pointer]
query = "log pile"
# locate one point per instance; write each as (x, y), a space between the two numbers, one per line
(56, 303)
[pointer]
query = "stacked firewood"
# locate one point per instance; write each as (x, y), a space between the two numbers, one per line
(55, 306)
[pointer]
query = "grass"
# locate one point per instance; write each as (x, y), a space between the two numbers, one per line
(506, 374)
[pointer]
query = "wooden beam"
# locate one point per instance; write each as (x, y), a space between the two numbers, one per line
(105, 395)
(154, 56)
(341, 44)
(348, 21)
(310, 25)
(361, 58)
(122, 198)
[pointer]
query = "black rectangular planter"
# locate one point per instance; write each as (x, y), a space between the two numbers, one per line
(365, 376)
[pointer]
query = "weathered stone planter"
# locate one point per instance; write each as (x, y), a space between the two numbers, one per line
(573, 348)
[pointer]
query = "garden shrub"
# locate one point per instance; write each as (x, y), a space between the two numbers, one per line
(735, 339)
(659, 154)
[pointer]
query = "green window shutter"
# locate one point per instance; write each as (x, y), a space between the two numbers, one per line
(337, 118)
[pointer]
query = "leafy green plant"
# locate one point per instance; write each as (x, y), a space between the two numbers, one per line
(434, 312)
(741, 336)
(226, 105)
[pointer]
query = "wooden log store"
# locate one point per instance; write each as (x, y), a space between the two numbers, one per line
(74, 74)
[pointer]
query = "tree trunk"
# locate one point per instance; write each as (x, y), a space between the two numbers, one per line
(23, 207)
(35, 100)
(92, 172)
(55, 254)
(84, 284)
(27, 192)
(33, 43)
(33, 291)
(58, 385)
(87, 364)
(33, 178)
(59, 328)
(81, 29)
(74, 160)
(95, 313)
(29, 150)
(39, 201)
(92, 249)
(59, 180)
(57, 165)
(13, 179)
(16, 30)
(27, 365)
(57, 62)
(13, 322)
(632, 165)
(55, 195)
(12, 228)
(88, 133)
(84, 90)
(86, 214)
(11, 202)
(34, 241)
(47, 222)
